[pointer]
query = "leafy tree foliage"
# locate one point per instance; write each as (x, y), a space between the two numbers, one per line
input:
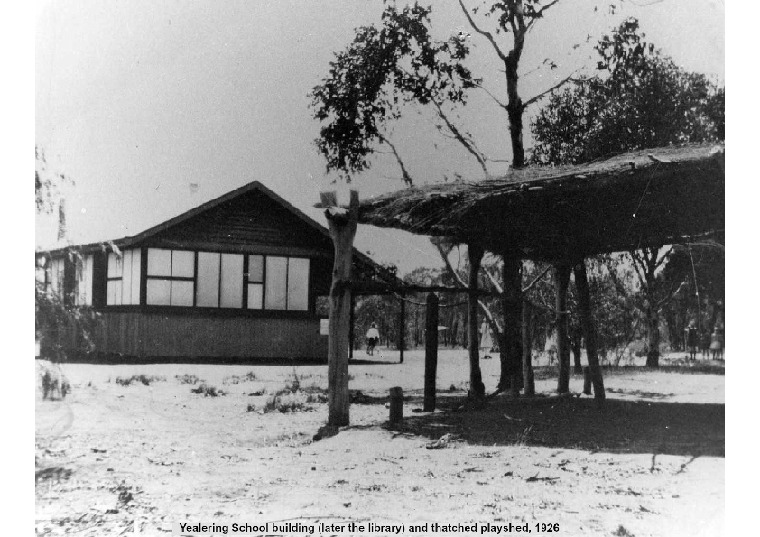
(398, 62)
(640, 99)
(59, 323)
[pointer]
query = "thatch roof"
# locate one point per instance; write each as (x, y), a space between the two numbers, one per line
(645, 198)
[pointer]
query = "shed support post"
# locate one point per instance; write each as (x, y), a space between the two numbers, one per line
(563, 349)
(527, 339)
(589, 330)
(512, 307)
(401, 329)
(351, 322)
(477, 388)
(431, 351)
(342, 232)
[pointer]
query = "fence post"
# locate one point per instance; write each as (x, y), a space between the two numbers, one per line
(431, 351)
(397, 405)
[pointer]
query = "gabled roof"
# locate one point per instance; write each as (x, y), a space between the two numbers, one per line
(255, 186)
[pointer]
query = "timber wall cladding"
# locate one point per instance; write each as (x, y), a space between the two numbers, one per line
(160, 335)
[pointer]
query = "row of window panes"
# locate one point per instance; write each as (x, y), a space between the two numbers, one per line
(123, 274)
(273, 282)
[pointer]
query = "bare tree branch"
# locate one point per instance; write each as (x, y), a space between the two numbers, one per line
(462, 138)
(561, 83)
(536, 279)
(404, 173)
(540, 13)
(496, 99)
(482, 32)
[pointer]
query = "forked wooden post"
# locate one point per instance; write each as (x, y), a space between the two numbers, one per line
(589, 330)
(431, 351)
(563, 349)
(342, 231)
(477, 388)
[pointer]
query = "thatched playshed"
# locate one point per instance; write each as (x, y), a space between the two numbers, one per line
(559, 215)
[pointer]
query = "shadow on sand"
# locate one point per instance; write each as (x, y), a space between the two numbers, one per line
(684, 429)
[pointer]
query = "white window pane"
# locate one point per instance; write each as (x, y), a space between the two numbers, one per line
(256, 268)
(232, 281)
(113, 293)
(114, 265)
(126, 282)
(84, 281)
(298, 284)
(56, 278)
(255, 296)
(182, 293)
(208, 280)
(158, 292)
(136, 269)
(276, 281)
(159, 262)
(183, 264)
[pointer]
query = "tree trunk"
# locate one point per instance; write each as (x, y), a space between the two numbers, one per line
(589, 330)
(342, 232)
(527, 339)
(515, 113)
(563, 350)
(653, 329)
(511, 342)
(477, 388)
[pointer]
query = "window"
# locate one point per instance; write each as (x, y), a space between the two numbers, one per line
(123, 273)
(213, 280)
(207, 292)
(231, 281)
(170, 278)
(83, 296)
(255, 282)
(56, 277)
(287, 283)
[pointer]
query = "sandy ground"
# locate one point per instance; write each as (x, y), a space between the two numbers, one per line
(115, 459)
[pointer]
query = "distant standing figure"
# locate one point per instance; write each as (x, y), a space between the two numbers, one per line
(705, 344)
(716, 345)
(373, 336)
(486, 343)
(692, 340)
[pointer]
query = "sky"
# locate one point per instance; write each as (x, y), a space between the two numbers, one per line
(154, 107)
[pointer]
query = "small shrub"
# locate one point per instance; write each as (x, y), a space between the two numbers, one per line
(147, 380)
(237, 379)
(622, 532)
(208, 390)
(188, 379)
(250, 408)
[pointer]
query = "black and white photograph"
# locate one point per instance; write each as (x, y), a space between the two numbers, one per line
(377, 267)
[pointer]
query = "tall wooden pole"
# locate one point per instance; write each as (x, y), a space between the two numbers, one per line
(351, 322)
(431, 351)
(563, 349)
(527, 339)
(512, 306)
(589, 330)
(342, 231)
(401, 329)
(477, 388)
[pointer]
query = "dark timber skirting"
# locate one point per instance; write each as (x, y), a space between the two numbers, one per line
(149, 336)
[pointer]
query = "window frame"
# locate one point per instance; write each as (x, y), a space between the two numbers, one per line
(242, 310)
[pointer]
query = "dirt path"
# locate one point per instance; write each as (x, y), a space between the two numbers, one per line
(110, 456)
